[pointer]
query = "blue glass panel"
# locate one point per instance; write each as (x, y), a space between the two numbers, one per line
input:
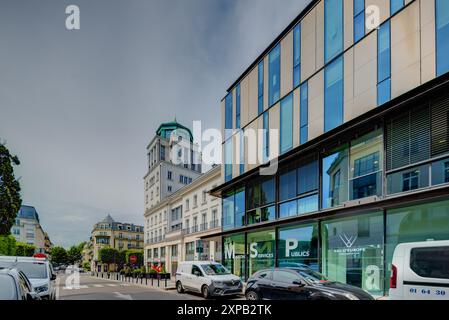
(333, 29)
(242, 152)
(333, 95)
(308, 204)
(286, 125)
(288, 209)
(359, 27)
(304, 113)
(384, 55)
(237, 107)
(274, 71)
(384, 92)
(260, 87)
(395, 6)
(266, 137)
(228, 160)
(359, 6)
(296, 56)
(442, 36)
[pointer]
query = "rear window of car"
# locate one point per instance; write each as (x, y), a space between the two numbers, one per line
(432, 262)
(7, 288)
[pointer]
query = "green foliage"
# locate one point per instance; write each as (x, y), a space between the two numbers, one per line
(138, 254)
(86, 266)
(58, 255)
(110, 255)
(25, 250)
(8, 245)
(74, 254)
(10, 200)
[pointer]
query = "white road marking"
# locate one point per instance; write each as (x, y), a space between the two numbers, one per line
(123, 296)
(98, 285)
(125, 285)
(75, 287)
(111, 285)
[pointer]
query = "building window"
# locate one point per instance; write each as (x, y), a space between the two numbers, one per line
(260, 85)
(187, 204)
(286, 125)
(410, 181)
(384, 64)
(237, 106)
(333, 29)
(261, 195)
(359, 20)
(169, 175)
(242, 152)
(442, 36)
(395, 6)
(333, 94)
(234, 254)
(169, 188)
(304, 113)
(266, 137)
(204, 197)
(296, 56)
(366, 157)
(228, 160)
(195, 200)
(228, 115)
(162, 153)
(261, 248)
(274, 71)
(335, 177)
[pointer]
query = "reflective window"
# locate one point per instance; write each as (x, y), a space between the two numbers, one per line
(335, 177)
(260, 86)
(440, 172)
(287, 185)
(359, 20)
(228, 212)
(261, 193)
(408, 180)
(237, 106)
(228, 115)
(234, 254)
(333, 29)
(239, 208)
(333, 94)
(261, 215)
(242, 152)
(366, 158)
(304, 113)
(266, 137)
(298, 246)
(442, 36)
(384, 64)
(261, 250)
(296, 56)
(228, 160)
(274, 71)
(352, 251)
(430, 262)
(395, 6)
(286, 125)
(307, 176)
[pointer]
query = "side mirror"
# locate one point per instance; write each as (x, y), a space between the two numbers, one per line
(53, 277)
(299, 283)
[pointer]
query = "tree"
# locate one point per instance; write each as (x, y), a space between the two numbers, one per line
(25, 250)
(8, 245)
(10, 200)
(74, 254)
(58, 255)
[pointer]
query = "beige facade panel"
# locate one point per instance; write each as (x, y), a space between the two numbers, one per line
(252, 94)
(244, 102)
(251, 143)
(316, 105)
(428, 45)
(365, 76)
(287, 64)
(349, 112)
(296, 117)
(384, 10)
(274, 117)
(405, 51)
(308, 45)
(348, 27)
(319, 63)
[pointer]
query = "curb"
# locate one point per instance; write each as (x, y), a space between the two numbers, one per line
(137, 284)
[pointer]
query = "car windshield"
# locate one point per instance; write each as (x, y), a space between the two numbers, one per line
(32, 269)
(214, 269)
(7, 288)
(312, 276)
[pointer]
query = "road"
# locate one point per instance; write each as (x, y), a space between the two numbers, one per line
(92, 288)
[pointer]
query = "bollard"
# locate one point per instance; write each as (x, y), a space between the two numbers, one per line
(152, 281)
(146, 280)
(158, 278)
(166, 281)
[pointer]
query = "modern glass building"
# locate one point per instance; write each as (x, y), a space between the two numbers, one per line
(363, 134)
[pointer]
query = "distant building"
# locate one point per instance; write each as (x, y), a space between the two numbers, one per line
(111, 234)
(47, 243)
(88, 252)
(27, 229)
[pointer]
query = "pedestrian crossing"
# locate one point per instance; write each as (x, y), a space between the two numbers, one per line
(96, 285)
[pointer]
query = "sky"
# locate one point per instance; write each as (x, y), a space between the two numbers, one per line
(79, 107)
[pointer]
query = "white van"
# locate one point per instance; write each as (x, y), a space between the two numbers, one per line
(38, 270)
(208, 278)
(420, 271)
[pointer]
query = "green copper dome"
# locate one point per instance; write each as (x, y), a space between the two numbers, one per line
(165, 129)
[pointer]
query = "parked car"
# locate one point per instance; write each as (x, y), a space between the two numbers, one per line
(38, 270)
(420, 271)
(208, 278)
(14, 285)
(299, 284)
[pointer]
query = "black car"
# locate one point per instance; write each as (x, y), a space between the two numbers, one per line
(14, 285)
(299, 284)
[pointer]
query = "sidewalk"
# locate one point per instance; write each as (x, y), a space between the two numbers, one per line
(143, 282)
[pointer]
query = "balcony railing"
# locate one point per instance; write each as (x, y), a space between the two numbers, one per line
(214, 224)
(155, 239)
(203, 226)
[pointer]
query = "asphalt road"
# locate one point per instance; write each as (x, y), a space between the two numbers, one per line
(92, 288)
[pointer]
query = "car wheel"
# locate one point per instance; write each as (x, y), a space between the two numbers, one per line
(179, 287)
(252, 295)
(205, 292)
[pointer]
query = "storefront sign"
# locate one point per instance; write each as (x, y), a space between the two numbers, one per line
(292, 244)
(259, 253)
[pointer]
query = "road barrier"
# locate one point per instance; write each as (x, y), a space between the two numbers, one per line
(133, 278)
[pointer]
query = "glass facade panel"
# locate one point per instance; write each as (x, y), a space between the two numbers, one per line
(304, 114)
(260, 86)
(395, 6)
(288, 209)
(366, 159)
(359, 20)
(228, 160)
(261, 249)
(415, 224)
(286, 125)
(274, 79)
(298, 246)
(333, 95)
(296, 56)
(228, 212)
(307, 176)
(261, 215)
(440, 172)
(352, 251)
(384, 64)
(239, 202)
(408, 180)
(237, 106)
(333, 29)
(335, 178)
(234, 254)
(442, 36)
(266, 137)
(287, 185)
(308, 204)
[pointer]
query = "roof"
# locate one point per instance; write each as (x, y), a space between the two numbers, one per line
(28, 212)
(108, 219)
(173, 125)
